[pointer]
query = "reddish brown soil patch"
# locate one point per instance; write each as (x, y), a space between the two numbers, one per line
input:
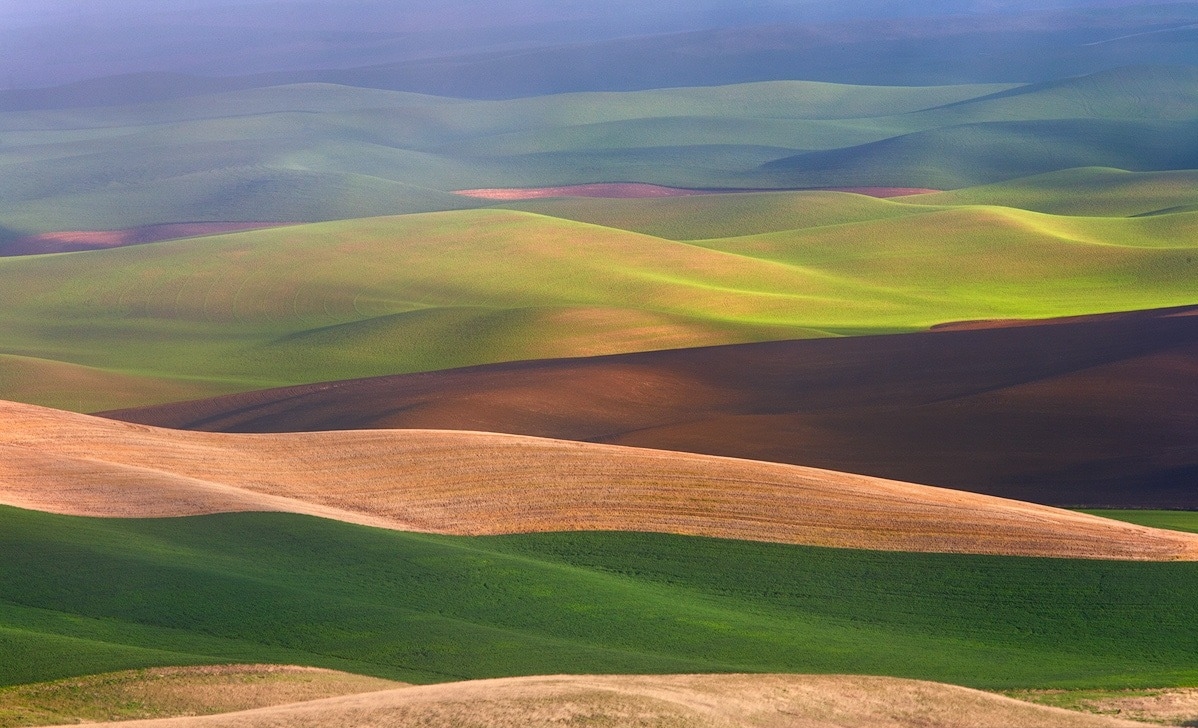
(638, 190)
(1101, 410)
(71, 241)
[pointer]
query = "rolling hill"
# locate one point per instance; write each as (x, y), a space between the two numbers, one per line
(675, 701)
(482, 483)
(1079, 411)
(289, 589)
(422, 292)
(711, 43)
(170, 692)
(313, 151)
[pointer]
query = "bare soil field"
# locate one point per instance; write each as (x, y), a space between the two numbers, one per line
(175, 691)
(1093, 410)
(70, 241)
(475, 483)
(638, 190)
(668, 701)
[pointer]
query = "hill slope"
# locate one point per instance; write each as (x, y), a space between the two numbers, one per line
(320, 151)
(690, 701)
(271, 587)
(482, 483)
(422, 292)
(1092, 410)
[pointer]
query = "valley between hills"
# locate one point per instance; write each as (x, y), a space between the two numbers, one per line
(668, 367)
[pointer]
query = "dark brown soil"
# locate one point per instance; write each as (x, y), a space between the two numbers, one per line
(1099, 410)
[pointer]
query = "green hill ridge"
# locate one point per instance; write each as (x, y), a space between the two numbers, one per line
(279, 588)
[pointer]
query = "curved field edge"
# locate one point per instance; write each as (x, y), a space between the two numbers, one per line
(85, 595)
(472, 483)
(666, 701)
(164, 692)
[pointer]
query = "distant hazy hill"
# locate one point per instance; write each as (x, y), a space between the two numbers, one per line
(311, 152)
(575, 49)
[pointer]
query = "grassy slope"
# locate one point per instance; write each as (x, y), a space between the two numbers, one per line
(717, 216)
(971, 154)
(263, 587)
(1096, 191)
(423, 292)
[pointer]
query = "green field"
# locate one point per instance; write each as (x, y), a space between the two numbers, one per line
(311, 152)
(1173, 520)
(420, 292)
(80, 596)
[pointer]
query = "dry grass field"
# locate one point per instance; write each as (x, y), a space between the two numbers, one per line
(472, 483)
(1163, 706)
(163, 692)
(671, 701)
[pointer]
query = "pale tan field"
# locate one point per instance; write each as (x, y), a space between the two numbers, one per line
(174, 691)
(670, 701)
(472, 483)
(1162, 706)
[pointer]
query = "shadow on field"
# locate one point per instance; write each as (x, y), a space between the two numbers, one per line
(1086, 411)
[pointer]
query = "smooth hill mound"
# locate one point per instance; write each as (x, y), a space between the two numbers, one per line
(71, 241)
(289, 589)
(724, 215)
(165, 692)
(977, 153)
(1095, 410)
(376, 296)
(1097, 191)
(81, 388)
(666, 701)
(482, 483)
(319, 151)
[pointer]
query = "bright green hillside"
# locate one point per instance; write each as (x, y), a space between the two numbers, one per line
(311, 152)
(87, 595)
(1094, 191)
(423, 292)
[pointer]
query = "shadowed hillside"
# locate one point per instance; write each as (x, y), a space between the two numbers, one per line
(1097, 410)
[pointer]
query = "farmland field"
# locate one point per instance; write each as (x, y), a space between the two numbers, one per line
(422, 608)
(382, 296)
(687, 364)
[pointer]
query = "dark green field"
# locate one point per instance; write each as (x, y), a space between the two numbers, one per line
(81, 596)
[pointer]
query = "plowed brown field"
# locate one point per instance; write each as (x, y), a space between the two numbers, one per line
(667, 701)
(476, 483)
(1097, 410)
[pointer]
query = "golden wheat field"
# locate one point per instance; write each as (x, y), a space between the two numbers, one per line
(471, 483)
(669, 701)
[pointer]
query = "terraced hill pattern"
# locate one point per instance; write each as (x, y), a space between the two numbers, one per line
(542, 364)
